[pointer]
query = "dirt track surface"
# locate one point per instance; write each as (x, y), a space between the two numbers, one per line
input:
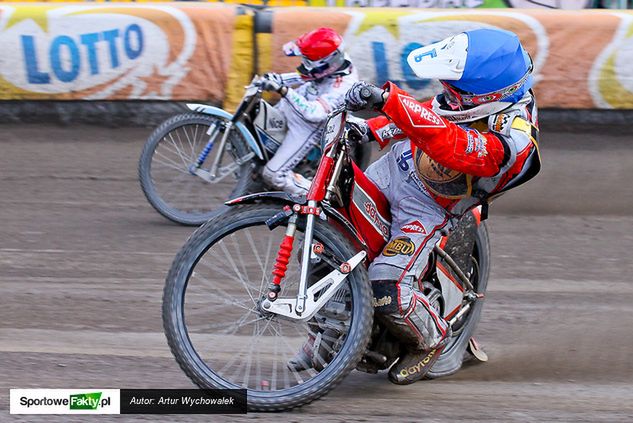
(83, 260)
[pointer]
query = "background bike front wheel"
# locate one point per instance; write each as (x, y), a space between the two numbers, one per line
(166, 162)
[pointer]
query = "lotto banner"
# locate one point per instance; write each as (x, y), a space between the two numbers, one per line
(176, 51)
(582, 59)
(207, 52)
(439, 4)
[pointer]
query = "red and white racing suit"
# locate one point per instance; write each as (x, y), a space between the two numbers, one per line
(438, 171)
(306, 108)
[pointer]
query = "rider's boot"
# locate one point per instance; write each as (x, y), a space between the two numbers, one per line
(299, 185)
(415, 363)
(422, 332)
(302, 360)
(316, 351)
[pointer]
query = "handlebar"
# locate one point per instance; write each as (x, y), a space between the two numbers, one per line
(365, 93)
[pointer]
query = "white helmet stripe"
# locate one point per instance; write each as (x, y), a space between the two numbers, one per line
(444, 60)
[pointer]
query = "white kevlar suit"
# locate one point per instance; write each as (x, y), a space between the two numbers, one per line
(306, 108)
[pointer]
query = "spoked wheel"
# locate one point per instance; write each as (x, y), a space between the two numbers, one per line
(453, 354)
(167, 166)
(223, 338)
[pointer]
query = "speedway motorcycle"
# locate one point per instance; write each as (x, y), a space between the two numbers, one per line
(276, 274)
(195, 161)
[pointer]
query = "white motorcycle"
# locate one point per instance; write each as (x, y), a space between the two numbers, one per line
(193, 162)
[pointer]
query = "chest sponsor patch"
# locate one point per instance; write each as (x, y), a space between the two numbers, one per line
(500, 123)
(430, 170)
(420, 116)
(441, 180)
(401, 245)
(415, 227)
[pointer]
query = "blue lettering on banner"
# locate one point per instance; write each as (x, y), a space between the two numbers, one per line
(110, 37)
(66, 55)
(382, 65)
(133, 53)
(56, 58)
(89, 40)
(33, 74)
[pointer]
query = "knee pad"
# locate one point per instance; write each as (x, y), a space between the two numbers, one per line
(407, 313)
(274, 177)
(385, 299)
(288, 181)
(424, 320)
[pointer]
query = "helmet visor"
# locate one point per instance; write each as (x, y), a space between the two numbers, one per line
(457, 98)
(322, 67)
(452, 96)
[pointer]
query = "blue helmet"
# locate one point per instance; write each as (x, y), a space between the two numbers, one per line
(477, 67)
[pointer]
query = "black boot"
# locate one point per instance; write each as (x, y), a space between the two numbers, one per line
(416, 363)
(316, 352)
(413, 366)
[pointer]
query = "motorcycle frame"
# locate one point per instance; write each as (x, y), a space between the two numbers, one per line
(241, 121)
(236, 121)
(323, 187)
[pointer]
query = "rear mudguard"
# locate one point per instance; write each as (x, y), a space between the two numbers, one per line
(282, 198)
(216, 111)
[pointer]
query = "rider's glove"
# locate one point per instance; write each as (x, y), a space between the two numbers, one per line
(358, 130)
(272, 82)
(364, 96)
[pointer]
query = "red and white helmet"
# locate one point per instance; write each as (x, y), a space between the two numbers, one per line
(321, 52)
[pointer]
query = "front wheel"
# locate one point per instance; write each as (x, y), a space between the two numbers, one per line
(167, 168)
(220, 334)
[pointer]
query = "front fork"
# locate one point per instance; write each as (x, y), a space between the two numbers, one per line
(213, 133)
(285, 251)
(309, 299)
(305, 260)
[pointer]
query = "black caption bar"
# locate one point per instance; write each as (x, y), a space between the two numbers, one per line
(183, 401)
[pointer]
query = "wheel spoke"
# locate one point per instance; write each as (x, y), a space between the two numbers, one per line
(236, 270)
(175, 191)
(178, 148)
(236, 339)
(295, 373)
(170, 163)
(225, 297)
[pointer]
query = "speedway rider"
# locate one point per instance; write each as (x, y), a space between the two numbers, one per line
(471, 142)
(477, 138)
(326, 75)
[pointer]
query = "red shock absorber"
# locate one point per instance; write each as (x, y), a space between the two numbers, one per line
(283, 257)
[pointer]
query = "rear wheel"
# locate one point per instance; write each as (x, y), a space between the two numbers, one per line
(222, 337)
(168, 160)
(453, 354)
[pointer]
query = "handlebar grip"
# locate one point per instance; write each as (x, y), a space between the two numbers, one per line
(365, 93)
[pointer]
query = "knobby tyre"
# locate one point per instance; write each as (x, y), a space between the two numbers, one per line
(164, 169)
(262, 369)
